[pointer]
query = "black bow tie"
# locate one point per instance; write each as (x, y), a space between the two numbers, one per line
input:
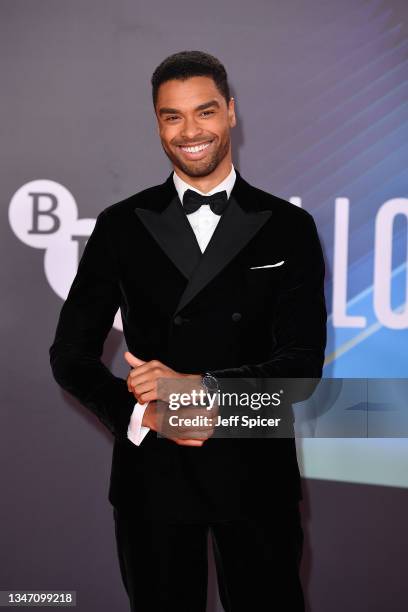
(192, 201)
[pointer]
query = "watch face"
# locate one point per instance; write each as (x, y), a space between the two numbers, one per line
(210, 382)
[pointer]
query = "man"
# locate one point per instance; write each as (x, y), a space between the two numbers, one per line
(227, 287)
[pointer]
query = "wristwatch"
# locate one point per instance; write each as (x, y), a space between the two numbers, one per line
(209, 382)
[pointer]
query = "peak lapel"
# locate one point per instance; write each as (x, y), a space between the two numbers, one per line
(163, 216)
(161, 213)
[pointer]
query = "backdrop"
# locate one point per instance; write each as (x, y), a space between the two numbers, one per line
(321, 98)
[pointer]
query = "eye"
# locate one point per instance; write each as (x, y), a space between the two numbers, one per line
(208, 111)
(171, 117)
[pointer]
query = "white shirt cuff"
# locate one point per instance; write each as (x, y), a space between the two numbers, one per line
(136, 431)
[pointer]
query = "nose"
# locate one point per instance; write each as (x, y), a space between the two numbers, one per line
(191, 129)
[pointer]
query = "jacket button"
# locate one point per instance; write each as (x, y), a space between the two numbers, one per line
(236, 316)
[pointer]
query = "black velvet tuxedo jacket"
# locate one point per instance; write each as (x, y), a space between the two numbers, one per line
(196, 312)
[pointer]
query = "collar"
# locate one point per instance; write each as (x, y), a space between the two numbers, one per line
(227, 184)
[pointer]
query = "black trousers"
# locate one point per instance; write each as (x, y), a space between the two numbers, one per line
(164, 566)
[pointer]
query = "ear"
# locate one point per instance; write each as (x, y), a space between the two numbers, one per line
(156, 120)
(231, 113)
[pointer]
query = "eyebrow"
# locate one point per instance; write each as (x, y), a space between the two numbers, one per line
(165, 110)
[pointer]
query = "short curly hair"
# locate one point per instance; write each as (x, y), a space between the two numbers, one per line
(186, 64)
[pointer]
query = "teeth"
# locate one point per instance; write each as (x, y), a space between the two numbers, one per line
(196, 149)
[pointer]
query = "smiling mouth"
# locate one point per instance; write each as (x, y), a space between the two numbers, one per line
(195, 149)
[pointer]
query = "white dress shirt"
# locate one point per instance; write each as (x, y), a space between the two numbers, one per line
(203, 222)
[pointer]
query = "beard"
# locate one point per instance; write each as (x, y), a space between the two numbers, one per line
(200, 167)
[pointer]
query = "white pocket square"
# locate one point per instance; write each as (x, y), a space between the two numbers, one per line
(269, 265)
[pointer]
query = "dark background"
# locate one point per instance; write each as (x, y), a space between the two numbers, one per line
(320, 89)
